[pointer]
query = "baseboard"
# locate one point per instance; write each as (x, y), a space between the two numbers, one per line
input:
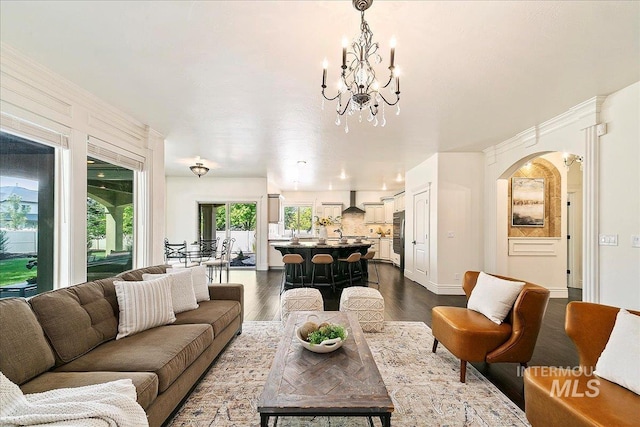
(558, 292)
(262, 267)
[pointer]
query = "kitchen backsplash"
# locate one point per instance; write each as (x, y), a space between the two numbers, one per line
(353, 225)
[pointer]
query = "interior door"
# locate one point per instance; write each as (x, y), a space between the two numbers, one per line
(421, 234)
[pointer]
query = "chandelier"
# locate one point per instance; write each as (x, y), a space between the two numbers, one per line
(199, 168)
(358, 88)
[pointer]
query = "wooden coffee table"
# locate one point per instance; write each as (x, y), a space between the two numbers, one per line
(345, 382)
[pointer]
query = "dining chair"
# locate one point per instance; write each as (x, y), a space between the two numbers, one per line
(223, 261)
(175, 253)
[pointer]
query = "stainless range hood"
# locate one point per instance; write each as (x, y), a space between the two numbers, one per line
(352, 209)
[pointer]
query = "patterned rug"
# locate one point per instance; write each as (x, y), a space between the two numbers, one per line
(424, 387)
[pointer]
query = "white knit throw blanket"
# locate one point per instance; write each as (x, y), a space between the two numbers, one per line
(109, 404)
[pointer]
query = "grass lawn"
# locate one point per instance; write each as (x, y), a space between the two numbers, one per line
(14, 271)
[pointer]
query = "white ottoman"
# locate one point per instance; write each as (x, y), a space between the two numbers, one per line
(300, 299)
(367, 303)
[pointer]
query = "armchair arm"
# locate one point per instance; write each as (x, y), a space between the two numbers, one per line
(589, 326)
(526, 319)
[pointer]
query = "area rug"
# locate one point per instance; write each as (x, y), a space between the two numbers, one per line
(424, 387)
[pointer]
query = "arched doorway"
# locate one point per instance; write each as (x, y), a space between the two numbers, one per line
(532, 227)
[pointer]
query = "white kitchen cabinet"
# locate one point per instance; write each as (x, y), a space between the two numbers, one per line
(385, 249)
(333, 210)
(398, 204)
(375, 246)
(374, 213)
(274, 212)
(395, 258)
(389, 208)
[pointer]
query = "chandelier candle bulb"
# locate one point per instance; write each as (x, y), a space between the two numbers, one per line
(393, 51)
(324, 73)
(344, 52)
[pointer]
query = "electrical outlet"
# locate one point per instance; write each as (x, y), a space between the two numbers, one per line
(457, 276)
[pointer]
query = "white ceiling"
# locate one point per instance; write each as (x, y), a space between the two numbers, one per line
(238, 82)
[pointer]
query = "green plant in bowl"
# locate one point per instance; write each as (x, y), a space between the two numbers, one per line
(327, 332)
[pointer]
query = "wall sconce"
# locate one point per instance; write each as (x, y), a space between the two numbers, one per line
(199, 168)
(570, 159)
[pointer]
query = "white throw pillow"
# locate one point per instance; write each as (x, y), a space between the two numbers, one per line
(143, 305)
(618, 361)
(199, 279)
(494, 297)
(183, 298)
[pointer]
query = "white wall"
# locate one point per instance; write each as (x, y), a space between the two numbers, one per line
(454, 181)
(42, 106)
(184, 194)
(612, 205)
(620, 198)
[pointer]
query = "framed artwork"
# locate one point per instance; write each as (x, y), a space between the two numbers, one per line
(527, 202)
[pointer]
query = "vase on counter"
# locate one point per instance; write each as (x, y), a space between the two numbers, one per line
(322, 232)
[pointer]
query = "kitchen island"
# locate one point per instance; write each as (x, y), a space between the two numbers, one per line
(307, 249)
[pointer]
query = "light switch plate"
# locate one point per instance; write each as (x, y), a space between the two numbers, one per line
(608, 240)
(635, 241)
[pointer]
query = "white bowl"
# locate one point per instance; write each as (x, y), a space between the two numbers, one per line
(326, 346)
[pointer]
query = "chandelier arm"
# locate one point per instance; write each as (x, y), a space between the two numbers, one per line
(345, 107)
(388, 81)
(389, 103)
(330, 99)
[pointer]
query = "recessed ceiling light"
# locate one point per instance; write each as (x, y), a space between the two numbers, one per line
(384, 187)
(399, 178)
(330, 187)
(343, 175)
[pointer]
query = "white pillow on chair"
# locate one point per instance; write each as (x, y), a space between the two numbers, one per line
(494, 297)
(618, 361)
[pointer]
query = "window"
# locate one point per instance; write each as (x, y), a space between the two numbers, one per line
(297, 219)
(26, 216)
(110, 219)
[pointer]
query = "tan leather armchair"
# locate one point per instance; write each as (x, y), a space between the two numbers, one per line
(472, 337)
(586, 399)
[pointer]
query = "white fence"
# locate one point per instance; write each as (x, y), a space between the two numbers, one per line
(21, 241)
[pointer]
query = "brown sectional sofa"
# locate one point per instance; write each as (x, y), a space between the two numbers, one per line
(587, 400)
(66, 338)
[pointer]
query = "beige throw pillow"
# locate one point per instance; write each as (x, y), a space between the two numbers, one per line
(494, 297)
(182, 296)
(143, 305)
(199, 279)
(618, 362)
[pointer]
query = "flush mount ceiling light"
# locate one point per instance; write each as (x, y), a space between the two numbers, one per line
(199, 168)
(358, 87)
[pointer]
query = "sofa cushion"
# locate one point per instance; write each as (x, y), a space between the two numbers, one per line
(199, 279)
(554, 398)
(218, 313)
(136, 275)
(166, 351)
(78, 318)
(146, 382)
(183, 298)
(143, 305)
(24, 351)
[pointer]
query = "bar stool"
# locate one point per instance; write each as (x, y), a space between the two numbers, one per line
(327, 261)
(290, 261)
(369, 256)
(352, 259)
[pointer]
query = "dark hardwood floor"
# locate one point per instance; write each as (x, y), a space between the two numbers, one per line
(409, 301)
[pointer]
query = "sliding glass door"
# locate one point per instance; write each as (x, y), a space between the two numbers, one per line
(231, 220)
